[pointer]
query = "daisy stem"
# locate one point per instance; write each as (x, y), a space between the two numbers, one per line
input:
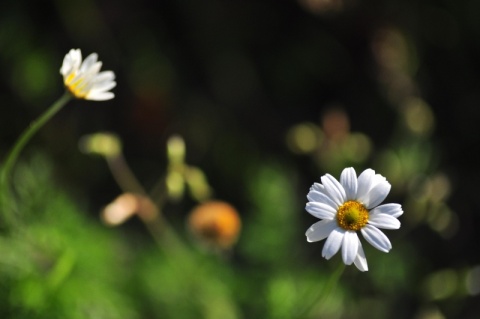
(325, 292)
(332, 283)
(20, 144)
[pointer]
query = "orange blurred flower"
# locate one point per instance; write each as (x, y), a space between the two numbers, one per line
(215, 223)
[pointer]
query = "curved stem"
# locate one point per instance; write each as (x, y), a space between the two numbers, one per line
(20, 144)
(333, 281)
(323, 294)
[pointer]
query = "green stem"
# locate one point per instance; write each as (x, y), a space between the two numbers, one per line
(20, 144)
(332, 283)
(324, 294)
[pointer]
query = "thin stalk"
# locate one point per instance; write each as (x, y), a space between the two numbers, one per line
(159, 228)
(325, 293)
(332, 282)
(20, 144)
(123, 175)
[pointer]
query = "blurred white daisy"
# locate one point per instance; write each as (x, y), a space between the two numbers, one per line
(84, 80)
(349, 206)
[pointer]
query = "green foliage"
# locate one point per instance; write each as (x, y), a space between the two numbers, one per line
(60, 263)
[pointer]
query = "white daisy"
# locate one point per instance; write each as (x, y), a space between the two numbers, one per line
(84, 80)
(349, 206)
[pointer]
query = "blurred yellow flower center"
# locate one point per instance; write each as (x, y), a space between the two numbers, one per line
(77, 87)
(352, 215)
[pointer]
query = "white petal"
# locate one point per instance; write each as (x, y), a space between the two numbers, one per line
(321, 189)
(377, 179)
(333, 243)
(71, 62)
(92, 70)
(320, 230)
(100, 96)
(364, 181)
(320, 210)
(376, 238)
(377, 194)
(89, 62)
(384, 221)
(361, 260)
(66, 67)
(394, 210)
(104, 86)
(105, 76)
(348, 179)
(318, 187)
(315, 196)
(334, 189)
(349, 247)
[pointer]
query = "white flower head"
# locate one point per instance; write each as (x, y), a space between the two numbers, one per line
(349, 206)
(84, 79)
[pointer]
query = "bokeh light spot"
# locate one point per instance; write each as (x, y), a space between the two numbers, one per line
(472, 281)
(442, 284)
(304, 138)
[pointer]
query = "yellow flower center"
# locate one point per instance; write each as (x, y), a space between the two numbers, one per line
(352, 215)
(77, 88)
